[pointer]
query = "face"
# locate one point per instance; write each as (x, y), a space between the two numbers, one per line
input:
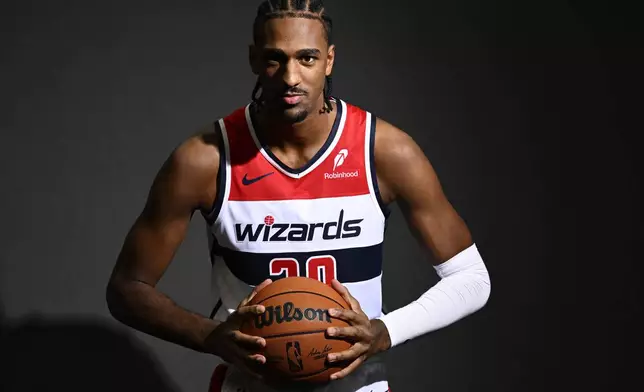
(292, 60)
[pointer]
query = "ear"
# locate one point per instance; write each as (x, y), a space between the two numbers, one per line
(330, 59)
(253, 59)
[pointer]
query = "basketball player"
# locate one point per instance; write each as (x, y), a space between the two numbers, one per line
(296, 183)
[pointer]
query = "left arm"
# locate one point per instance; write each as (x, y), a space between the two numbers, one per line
(406, 176)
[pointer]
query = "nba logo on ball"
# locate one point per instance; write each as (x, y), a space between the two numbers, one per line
(294, 356)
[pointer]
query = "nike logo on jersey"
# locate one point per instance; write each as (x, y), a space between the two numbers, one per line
(247, 181)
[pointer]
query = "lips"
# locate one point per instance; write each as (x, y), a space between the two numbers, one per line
(292, 99)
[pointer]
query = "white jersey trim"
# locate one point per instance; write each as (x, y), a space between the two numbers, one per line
(227, 172)
(317, 163)
(368, 165)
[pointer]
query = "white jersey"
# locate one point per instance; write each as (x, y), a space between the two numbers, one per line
(324, 220)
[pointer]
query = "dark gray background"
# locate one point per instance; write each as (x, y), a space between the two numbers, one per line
(526, 109)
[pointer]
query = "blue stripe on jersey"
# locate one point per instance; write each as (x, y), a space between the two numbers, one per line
(211, 216)
(372, 162)
(346, 265)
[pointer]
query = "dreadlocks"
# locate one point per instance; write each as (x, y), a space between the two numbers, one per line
(311, 9)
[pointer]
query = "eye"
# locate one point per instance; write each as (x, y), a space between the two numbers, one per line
(272, 59)
(308, 59)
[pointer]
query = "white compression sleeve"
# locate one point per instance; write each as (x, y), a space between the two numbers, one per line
(463, 289)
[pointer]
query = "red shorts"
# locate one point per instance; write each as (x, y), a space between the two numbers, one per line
(217, 379)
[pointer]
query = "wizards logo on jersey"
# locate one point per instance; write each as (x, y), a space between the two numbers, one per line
(271, 231)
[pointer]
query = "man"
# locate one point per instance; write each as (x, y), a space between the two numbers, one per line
(296, 183)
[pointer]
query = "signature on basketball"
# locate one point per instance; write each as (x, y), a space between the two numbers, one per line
(316, 354)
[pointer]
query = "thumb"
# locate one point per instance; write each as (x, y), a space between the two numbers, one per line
(254, 292)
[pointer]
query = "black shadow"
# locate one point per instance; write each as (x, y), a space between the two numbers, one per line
(77, 354)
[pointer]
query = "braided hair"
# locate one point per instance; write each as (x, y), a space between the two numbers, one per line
(311, 9)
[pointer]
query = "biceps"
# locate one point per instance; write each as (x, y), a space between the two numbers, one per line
(437, 226)
(409, 178)
(430, 215)
(150, 246)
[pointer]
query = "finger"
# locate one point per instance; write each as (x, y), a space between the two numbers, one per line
(248, 341)
(254, 292)
(246, 313)
(255, 364)
(344, 292)
(348, 315)
(259, 288)
(257, 358)
(250, 310)
(252, 359)
(344, 372)
(352, 353)
(247, 360)
(347, 333)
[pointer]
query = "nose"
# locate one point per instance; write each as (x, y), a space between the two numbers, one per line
(291, 74)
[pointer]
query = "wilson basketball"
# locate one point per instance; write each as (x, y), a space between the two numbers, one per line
(294, 326)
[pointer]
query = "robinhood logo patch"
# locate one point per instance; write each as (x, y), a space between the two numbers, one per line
(338, 161)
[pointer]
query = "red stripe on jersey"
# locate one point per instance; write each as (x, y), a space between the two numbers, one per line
(254, 178)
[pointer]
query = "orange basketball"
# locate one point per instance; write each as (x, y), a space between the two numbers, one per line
(294, 326)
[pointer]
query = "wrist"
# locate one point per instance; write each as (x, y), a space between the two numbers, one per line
(207, 335)
(382, 340)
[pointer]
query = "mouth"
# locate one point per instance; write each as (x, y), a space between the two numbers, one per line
(292, 99)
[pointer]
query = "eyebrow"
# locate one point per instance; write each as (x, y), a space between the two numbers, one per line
(299, 53)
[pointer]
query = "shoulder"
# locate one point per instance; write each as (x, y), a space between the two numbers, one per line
(189, 174)
(199, 153)
(392, 143)
(395, 149)
(401, 164)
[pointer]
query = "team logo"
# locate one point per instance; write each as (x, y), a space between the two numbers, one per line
(294, 356)
(338, 161)
(271, 231)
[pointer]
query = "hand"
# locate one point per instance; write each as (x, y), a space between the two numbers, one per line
(234, 347)
(369, 336)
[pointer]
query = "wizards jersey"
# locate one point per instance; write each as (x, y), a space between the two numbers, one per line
(324, 220)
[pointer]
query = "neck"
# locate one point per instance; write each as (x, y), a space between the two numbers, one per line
(313, 130)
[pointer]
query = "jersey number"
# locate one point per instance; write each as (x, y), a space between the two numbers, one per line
(321, 268)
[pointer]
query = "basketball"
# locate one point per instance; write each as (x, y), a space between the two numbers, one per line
(294, 326)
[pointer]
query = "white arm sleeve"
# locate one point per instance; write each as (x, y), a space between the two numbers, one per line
(463, 289)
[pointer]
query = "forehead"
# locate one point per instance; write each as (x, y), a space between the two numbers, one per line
(294, 33)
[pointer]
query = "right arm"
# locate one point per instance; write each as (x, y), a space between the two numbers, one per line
(185, 184)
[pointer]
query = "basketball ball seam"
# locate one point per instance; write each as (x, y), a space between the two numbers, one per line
(300, 291)
(281, 335)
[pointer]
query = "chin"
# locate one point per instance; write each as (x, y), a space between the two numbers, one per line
(289, 114)
(295, 115)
